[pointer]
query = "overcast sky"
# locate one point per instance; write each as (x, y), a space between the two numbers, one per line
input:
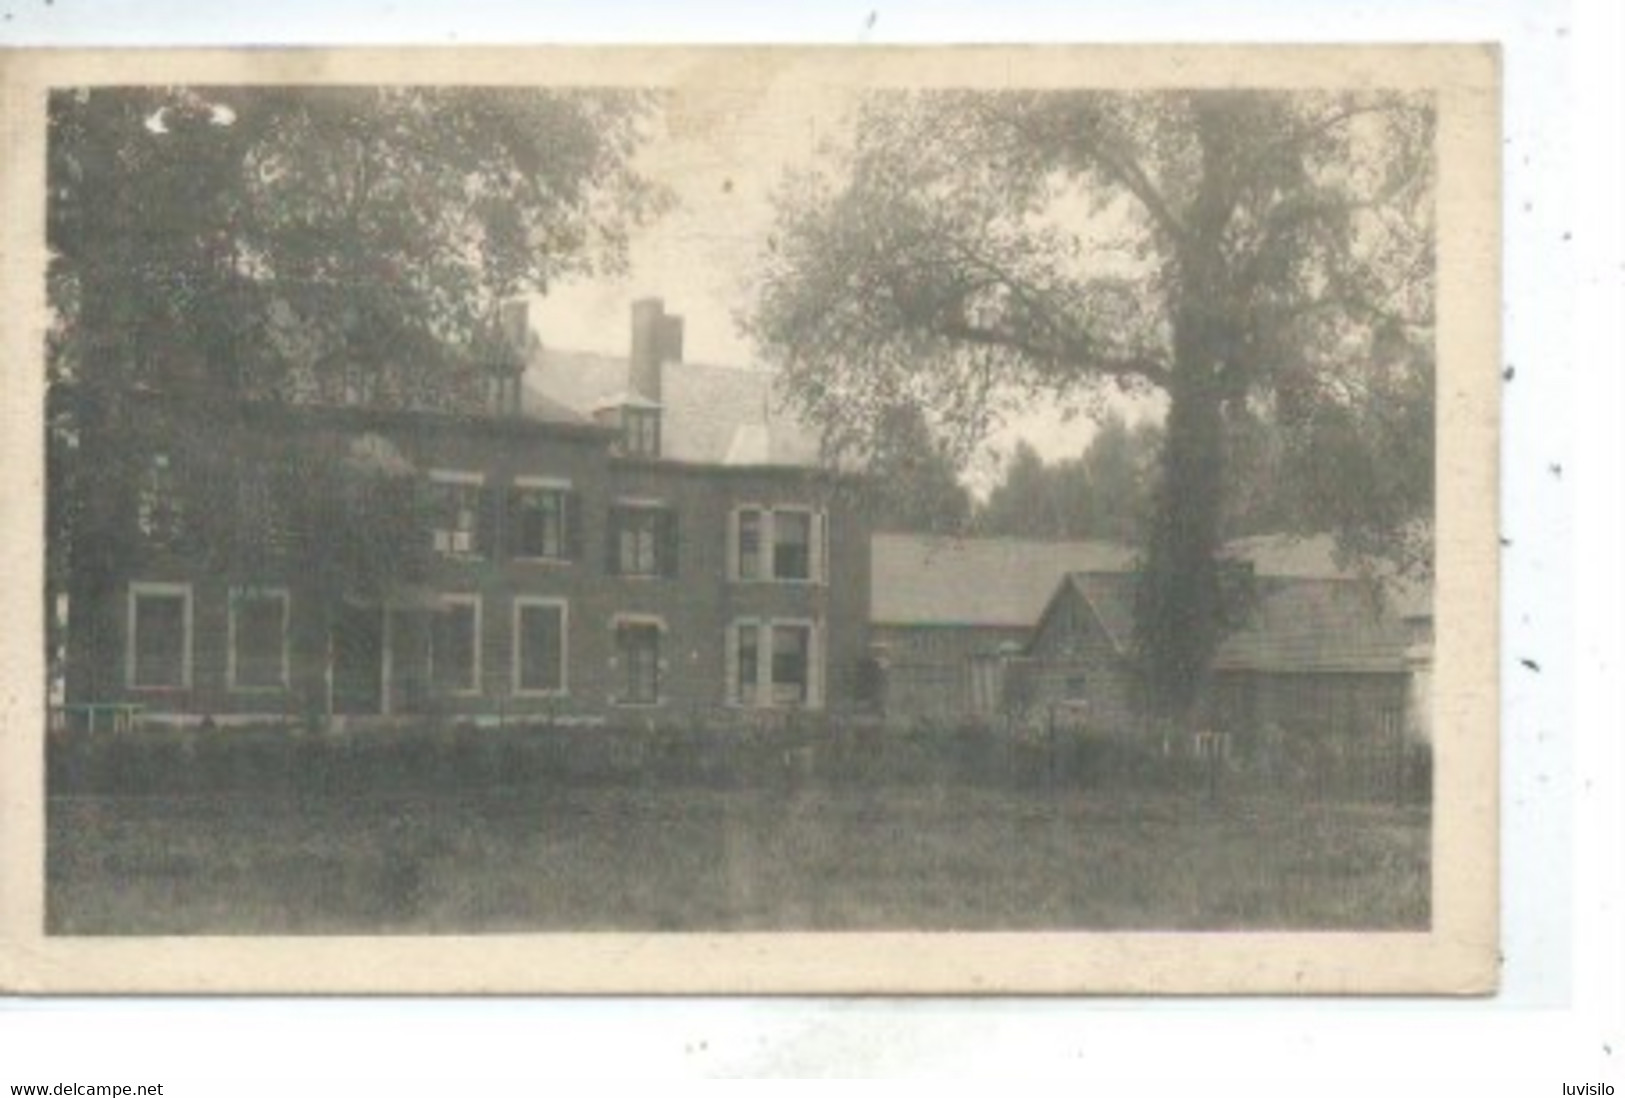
(722, 151)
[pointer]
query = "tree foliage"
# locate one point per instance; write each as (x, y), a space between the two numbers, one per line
(1241, 252)
(216, 246)
(1104, 494)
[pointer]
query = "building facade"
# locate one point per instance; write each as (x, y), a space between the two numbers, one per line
(586, 559)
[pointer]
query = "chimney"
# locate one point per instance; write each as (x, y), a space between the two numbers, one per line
(510, 353)
(656, 339)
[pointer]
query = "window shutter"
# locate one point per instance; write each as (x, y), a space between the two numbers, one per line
(572, 525)
(490, 522)
(669, 538)
(612, 542)
(815, 547)
(765, 548)
(730, 663)
(815, 666)
(515, 523)
(733, 545)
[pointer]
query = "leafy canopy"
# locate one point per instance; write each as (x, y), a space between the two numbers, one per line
(1242, 253)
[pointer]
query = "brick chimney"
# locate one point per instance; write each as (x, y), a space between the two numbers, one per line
(510, 353)
(656, 340)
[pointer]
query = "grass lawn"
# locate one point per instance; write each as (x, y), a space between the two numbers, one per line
(808, 858)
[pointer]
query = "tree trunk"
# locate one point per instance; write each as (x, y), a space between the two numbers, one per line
(1180, 612)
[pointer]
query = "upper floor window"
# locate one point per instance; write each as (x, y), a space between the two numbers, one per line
(454, 502)
(159, 511)
(640, 431)
(783, 543)
(642, 540)
(545, 520)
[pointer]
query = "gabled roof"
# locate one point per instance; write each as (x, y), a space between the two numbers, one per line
(921, 580)
(711, 414)
(1295, 624)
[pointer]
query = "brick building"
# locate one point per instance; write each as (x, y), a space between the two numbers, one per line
(632, 536)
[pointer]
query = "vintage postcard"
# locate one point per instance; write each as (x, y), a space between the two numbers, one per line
(778, 520)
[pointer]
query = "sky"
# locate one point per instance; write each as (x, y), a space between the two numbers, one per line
(722, 151)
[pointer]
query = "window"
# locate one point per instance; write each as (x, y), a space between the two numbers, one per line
(791, 649)
(539, 646)
(454, 501)
(160, 651)
(773, 663)
(640, 431)
(781, 544)
(792, 541)
(637, 647)
(545, 519)
(258, 639)
(642, 540)
(159, 512)
(454, 645)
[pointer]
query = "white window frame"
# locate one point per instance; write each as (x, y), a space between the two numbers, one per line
(238, 593)
(662, 662)
(463, 599)
(138, 589)
(816, 659)
(459, 477)
(767, 544)
(565, 488)
(520, 604)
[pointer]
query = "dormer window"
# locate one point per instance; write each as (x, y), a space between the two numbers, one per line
(640, 432)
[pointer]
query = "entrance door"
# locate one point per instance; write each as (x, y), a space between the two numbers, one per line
(358, 660)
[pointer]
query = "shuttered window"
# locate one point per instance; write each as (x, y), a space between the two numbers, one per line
(643, 540)
(543, 523)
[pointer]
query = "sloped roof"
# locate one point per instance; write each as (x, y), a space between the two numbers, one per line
(1295, 624)
(1300, 625)
(713, 414)
(920, 580)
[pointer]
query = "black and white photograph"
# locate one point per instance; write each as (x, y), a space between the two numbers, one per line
(749, 496)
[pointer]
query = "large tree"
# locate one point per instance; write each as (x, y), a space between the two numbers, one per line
(211, 247)
(1266, 253)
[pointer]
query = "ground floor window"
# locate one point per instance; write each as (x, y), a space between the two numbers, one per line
(539, 646)
(160, 636)
(258, 639)
(454, 645)
(792, 647)
(637, 648)
(773, 663)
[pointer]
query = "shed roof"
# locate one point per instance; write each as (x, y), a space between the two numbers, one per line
(1295, 624)
(921, 580)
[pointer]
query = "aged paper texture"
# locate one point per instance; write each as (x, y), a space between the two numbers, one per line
(73, 919)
